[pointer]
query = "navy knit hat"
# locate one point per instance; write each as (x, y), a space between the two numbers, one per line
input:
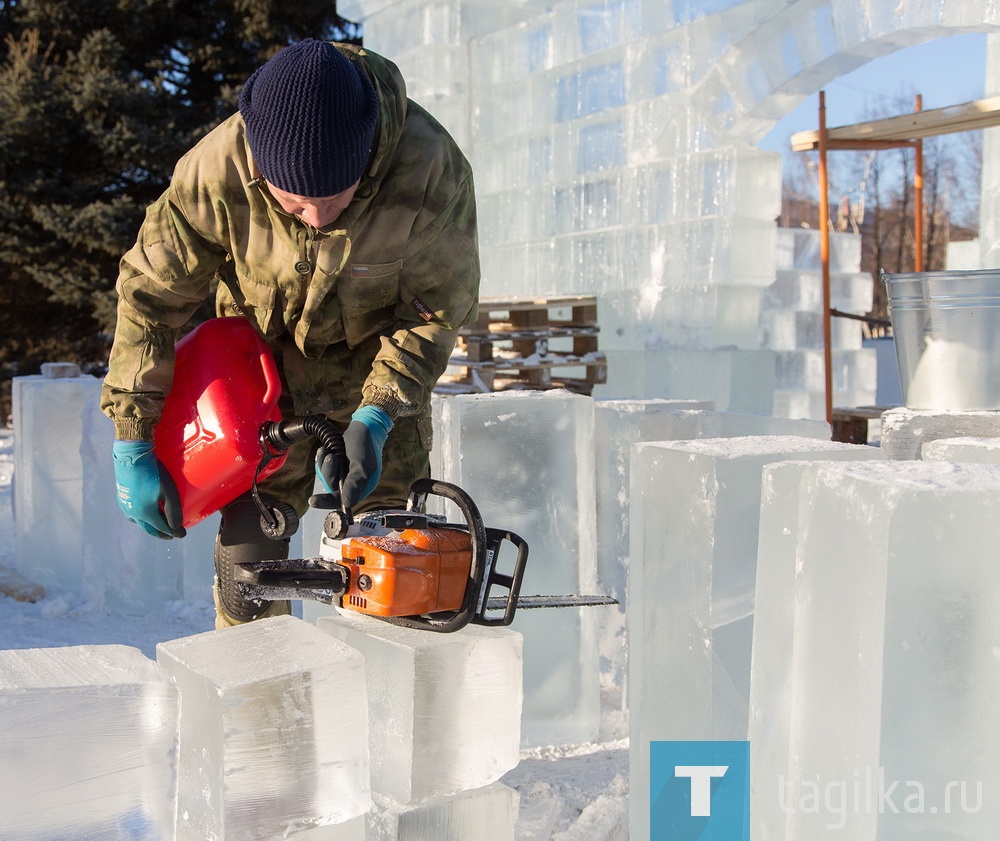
(310, 116)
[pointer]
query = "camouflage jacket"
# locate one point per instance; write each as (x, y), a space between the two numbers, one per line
(392, 279)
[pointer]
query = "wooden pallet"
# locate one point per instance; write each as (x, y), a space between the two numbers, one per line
(528, 343)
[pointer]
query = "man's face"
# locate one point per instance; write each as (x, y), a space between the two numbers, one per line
(317, 212)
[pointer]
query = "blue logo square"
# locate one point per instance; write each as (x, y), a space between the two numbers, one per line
(699, 791)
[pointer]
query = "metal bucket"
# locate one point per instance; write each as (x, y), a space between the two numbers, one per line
(946, 327)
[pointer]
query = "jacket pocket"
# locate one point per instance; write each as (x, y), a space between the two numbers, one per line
(368, 294)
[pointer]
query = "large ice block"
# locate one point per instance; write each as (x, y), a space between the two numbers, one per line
(962, 450)
(799, 249)
(771, 680)
(691, 316)
(735, 380)
(894, 662)
(486, 814)
(444, 709)
(87, 745)
(805, 370)
(70, 532)
(273, 730)
(803, 290)
(619, 425)
(50, 414)
(694, 532)
(527, 459)
(905, 431)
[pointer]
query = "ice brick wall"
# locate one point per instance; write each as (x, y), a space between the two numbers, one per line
(791, 324)
(614, 149)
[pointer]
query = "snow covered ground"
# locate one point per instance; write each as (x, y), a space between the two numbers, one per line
(578, 792)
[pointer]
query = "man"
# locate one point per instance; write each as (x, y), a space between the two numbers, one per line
(340, 218)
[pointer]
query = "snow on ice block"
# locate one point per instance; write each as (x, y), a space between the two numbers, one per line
(527, 459)
(695, 510)
(485, 814)
(895, 663)
(444, 710)
(273, 730)
(905, 431)
(87, 745)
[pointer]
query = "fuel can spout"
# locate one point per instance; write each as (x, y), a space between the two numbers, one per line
(281, 520)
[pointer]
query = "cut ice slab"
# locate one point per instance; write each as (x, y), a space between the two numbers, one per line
(273, 730)
(88, 745)
(444, 709)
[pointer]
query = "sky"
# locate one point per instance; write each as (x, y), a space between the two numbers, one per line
(946, 71)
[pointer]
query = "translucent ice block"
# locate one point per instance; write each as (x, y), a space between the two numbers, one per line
(486, 814)
(894, 660)
(799, 249)
(905, 431)
(87, 745)
(444, 709)
(803, 290)
(49, 416)
(525, 458)
(962, 450)
(771, 680)
(273, 730)
(735, 380)
(618, 425)
(696, 316)
(852, 370)
(694, 531)
(799, 329)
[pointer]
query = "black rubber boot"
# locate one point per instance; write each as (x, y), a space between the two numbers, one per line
(241, 539)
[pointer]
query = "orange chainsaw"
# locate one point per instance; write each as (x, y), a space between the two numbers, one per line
(403, 566)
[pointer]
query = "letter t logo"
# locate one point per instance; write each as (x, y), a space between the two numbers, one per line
(701, 785)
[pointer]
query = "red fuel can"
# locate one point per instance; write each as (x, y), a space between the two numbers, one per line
(226, 386)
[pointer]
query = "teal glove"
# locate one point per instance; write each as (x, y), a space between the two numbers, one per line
(146, 493)
(364, 439)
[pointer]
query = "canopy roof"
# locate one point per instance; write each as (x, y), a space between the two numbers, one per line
(905, 129)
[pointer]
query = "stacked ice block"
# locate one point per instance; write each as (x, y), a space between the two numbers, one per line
(906, 431)
(87, 745)
(694, 529)
(791, 324)
(618, 426)
(273, 735)
(527, 460)
(444, 715)
(885, 668)
(70, 532)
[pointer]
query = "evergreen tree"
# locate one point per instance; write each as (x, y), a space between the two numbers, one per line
(98, 100)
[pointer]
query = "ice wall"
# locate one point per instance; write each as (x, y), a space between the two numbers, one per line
(614, 149)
